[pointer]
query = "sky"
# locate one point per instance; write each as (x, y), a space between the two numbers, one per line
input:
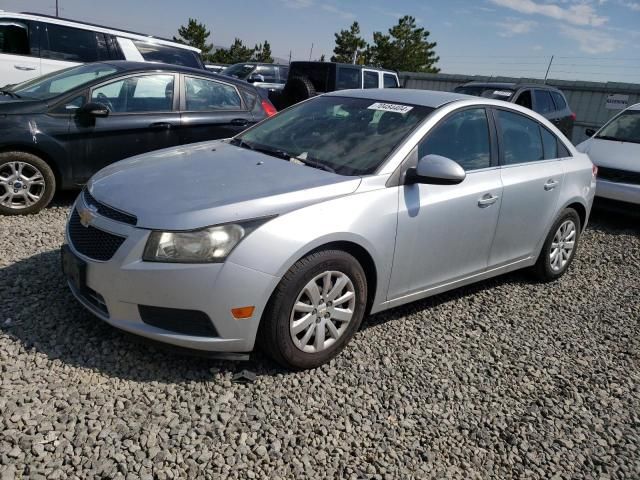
(590, 39)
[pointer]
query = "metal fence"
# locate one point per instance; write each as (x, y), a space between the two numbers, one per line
(593, 102)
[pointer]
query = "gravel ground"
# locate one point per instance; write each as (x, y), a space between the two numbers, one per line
(508, 378)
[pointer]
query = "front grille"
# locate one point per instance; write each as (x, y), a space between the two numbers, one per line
(92, 242)
(185, 322)
(109, 212)
(618, 176)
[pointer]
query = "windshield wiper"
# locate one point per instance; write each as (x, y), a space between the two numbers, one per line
(10, 93)
(315, 164)
(609, 137)
(275, 152)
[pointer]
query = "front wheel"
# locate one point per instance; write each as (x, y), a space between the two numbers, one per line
(315, 310)
(27, 183)
(560, 246)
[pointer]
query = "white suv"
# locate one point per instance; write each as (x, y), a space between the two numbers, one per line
(32, 45)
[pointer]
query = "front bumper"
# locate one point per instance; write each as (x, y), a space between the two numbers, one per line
(119, 286)
(622, 192)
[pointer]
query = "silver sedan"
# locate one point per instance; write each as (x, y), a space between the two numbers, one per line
(347, 204)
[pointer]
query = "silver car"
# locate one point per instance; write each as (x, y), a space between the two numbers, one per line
(344, 205)
(615, 149)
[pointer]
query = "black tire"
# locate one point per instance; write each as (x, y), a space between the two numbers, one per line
(543, 268)
(32, 164)
(275, 336)
(298, 89)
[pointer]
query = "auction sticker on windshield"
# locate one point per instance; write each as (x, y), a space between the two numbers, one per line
(390, 107)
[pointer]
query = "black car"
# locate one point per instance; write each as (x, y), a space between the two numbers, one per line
(56, 131)
(546, 100)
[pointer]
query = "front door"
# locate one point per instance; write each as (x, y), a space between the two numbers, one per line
(532, 178)
(211, 110)
(142, 118)
(445, 232)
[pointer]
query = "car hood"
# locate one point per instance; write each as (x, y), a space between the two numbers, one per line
(612, 154)
(210, 183)
(12, 106)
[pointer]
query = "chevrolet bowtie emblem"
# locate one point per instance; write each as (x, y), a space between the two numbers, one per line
(87, 215)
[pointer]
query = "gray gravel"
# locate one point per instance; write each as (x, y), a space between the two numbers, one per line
(509, 378)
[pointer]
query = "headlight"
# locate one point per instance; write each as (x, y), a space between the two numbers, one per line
(208, 245)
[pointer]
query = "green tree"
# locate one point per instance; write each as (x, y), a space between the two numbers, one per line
(406, 48)
(195, 34)
(347, 43)
(236, 53)
(262, 53)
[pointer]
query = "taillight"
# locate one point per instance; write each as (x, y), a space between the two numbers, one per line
(594, 170)
(573, 116)
(268, 108)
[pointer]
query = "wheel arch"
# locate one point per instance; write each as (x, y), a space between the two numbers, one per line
(581, 210)
(58, 173)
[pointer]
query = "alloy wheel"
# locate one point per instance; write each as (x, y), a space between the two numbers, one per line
(562, 245)
(21, 185)
(322, 311)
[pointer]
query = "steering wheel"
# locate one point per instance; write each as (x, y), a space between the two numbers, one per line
(105, 101)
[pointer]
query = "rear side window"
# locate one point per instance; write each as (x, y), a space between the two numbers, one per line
(390, 81)
(14, 37)
(549, 144)
(559, 100)
(207, 95)
(152, 52)
(544, 104)
(370, 79)
(348, 78)
(284, 74)
(462, 137)
(70, 44)
(521, 140)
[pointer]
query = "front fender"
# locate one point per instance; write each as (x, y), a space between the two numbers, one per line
(368, 219)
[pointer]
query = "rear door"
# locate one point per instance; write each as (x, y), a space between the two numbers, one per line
(142, 118)
(19, 51)
(532, 177)
(565, 116)
(211, 110)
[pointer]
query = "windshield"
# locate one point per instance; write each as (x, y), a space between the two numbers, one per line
(239, 70)
(486, 92)
(623, 128)
(62, 81)
(351, 136)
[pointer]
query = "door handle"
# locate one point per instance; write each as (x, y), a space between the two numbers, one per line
(487, 200)
(239, 122)
(550, 185)
(25, 69)
(160, 126)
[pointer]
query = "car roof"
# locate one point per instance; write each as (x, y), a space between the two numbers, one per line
(426, 98)
(350, 65)
(510, 85)
(634, 107)
(259, 64)
(124, 66)
(97, 28)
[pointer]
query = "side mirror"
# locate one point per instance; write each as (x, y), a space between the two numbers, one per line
(436, 170)
(256, 78)
(94, 109)
(590, 132)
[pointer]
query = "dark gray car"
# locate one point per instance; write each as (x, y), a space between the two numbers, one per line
(546, 100)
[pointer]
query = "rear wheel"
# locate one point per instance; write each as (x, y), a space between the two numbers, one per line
(315, 310)
(27, 183)
(560, 246)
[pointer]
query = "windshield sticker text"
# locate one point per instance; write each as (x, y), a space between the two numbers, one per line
(390, 107)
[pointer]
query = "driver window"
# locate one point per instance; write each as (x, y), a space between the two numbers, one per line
(462, 137)
(524, 99)
(147, 93)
